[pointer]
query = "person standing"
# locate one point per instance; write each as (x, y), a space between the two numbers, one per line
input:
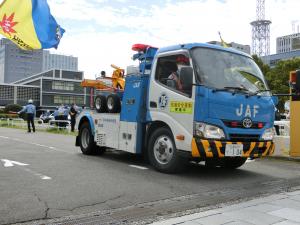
(30, 111)
(73, 113)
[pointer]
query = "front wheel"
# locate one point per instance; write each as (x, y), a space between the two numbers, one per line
(162, 152)
(87, 144)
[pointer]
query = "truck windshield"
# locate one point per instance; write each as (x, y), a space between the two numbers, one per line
(222, 70)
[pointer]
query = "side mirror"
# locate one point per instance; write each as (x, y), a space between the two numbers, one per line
(275, 100)
(186, 78)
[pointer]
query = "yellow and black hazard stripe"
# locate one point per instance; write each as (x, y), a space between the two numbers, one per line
(216, 149)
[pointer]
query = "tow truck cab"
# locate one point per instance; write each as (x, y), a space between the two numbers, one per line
(222, 112)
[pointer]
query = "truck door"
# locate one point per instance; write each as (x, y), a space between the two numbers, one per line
(171, 96)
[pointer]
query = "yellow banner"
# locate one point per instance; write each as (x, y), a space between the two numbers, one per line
(16, 23)
(181, 107)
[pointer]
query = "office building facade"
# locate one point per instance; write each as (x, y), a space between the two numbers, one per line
(58, 87)
(271, 60)
(19, 94)
(16, 64)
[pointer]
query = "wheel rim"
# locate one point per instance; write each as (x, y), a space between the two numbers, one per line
(110, 103)
(98, 103)
(163, 149)
(85, 138)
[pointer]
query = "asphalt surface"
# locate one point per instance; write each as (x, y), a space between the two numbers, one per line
(60, 185)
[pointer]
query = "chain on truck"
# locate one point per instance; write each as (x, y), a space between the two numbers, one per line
(218, 110)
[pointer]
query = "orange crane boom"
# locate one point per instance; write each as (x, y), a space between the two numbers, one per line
(116, 82)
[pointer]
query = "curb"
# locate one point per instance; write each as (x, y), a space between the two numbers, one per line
(286, 158)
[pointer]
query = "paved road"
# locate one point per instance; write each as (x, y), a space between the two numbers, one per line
(59, 182)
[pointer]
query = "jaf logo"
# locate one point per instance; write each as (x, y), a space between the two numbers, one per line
(247, 111)
(163, 101)
(136, 84)
(7, 24)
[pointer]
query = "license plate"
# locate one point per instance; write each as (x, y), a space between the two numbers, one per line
(234, 150)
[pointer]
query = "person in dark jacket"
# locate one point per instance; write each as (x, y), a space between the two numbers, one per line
(73, 113)
(30, 111)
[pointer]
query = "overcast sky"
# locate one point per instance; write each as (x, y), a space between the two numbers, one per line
(101, 32)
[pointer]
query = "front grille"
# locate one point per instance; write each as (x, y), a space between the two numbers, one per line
(239, 124)
(244, 137)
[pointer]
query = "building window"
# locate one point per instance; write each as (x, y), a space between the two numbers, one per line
(25, 93)
(6, 92)
(67, 100)
(60, 85)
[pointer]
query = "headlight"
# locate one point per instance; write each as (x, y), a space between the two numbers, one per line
(268, 135)
(204, 130)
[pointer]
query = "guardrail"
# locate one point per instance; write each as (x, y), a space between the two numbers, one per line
(57, 124)
(60, 124)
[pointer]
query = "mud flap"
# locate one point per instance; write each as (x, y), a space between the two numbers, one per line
(77, 141)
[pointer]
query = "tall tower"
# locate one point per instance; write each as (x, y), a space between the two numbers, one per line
(260, 31)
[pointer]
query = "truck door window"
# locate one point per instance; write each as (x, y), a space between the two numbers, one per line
(168, 70)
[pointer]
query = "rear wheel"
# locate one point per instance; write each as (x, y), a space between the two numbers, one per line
(100, 103)
(233, 162)
(162, 152)
(113, 103)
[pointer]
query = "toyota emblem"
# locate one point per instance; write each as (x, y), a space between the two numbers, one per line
(247, 123)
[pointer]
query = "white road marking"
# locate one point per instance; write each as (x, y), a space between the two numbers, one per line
(37, 144)
(139, 167)
(42, 176)
(4, 137)
(10, 163)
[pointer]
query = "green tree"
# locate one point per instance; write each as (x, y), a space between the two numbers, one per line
(12, 108)
(263, 67)
(278, 78)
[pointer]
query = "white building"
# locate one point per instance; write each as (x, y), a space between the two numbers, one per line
(288, 43)
(55, 61)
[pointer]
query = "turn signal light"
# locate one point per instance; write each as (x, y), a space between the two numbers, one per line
(234, 124)
(180, 137)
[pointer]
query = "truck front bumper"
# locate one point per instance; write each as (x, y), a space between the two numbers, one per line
(216, 149)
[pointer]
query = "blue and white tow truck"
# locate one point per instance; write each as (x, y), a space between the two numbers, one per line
(221, 112)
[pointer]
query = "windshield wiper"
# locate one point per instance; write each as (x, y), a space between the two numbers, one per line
(242, 89)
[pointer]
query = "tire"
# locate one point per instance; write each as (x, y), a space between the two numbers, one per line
(113, 103)
(162, 160)
(233, 162)
(86, 141)
(100, 104)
